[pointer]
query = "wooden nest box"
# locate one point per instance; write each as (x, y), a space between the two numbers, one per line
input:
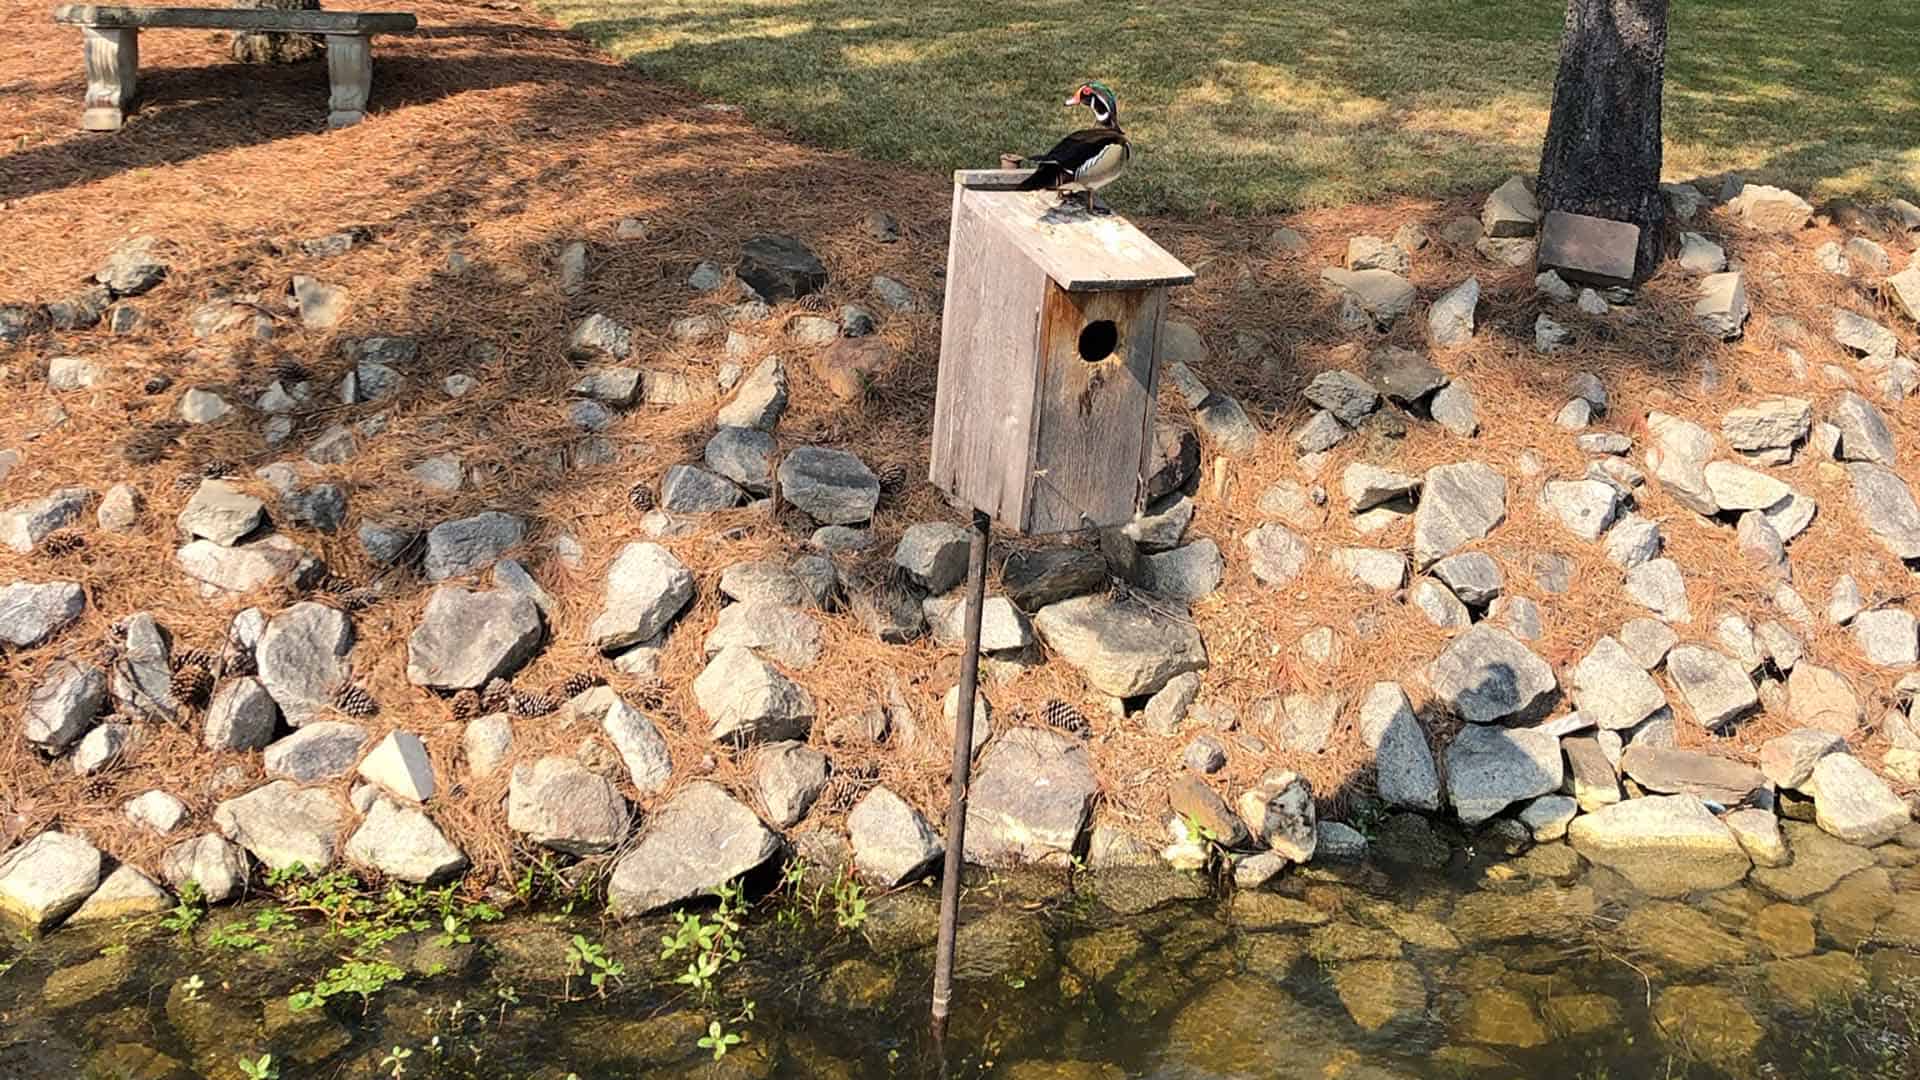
(1049, 358)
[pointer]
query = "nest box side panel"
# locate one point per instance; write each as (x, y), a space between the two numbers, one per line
(989, 368)
(1096, 408)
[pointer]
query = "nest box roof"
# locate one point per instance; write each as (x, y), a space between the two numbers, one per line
(1079, 251)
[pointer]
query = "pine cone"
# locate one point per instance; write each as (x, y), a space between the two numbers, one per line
(188, 482)
(360, 598)
(191, 685)
(354, 701)
(640, 497)
(1063, 717)
(157, 384)
(576, 684)
(465, 706)
(191, 658)
(214, 470)
(893, 479)
(240, 663)
(62, 544)
(651, 694)
(289, 371)
(531, 704)
(494, 698)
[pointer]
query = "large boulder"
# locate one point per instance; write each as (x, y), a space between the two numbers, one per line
(1030, 799)
(45, 879)
(1123, 647)
(1491, 768)
(284, 824)
(646, 588)
(701, 838)
(302, 658)
(892, 843)
(748, 700)
(1852, 803)
(1486, 675)
(557, 803)
(1665, 844)
(466, 639)
(1403, 762)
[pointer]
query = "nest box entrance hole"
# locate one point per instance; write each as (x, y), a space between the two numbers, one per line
(1098, 340)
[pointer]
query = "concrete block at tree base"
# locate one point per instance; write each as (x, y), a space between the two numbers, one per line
(1587, 249)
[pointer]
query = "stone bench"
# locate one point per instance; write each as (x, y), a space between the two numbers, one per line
(111, 36)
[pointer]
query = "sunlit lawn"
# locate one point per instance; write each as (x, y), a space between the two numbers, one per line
(1262, 106)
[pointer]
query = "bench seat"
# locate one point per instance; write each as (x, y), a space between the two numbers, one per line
(110, 35)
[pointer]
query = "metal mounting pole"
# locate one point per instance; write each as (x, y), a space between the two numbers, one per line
(962, 772)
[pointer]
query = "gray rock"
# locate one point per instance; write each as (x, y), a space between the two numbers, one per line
(1846, 601)
(1338, 842)
(1736, 487)
(934, 555)
(1168, 706)
(1303, 722)
(242, 716)
(1348, 397)
(213, 863)
(1612, 688)
(284, 824)
(590, 416)
(1886, 505)
(1030, 800)
(1373, 253)
(1679, 460)
(1665, 844)
(199, 406)
(1585, 507)
(760, 400)
(402, 843)
(1185, 573)
(322, 507)
(1863, 430)
(1511, 210)
(1648, 641)
(1279, 815)
(747, 701)
(387, 545)
(831, 486)
(1450, 319)
(1768, 423)
(120, 509)
(1668, 771)
(1439, 605)
(1712, 684)
(1275, 555)
(1548, 816)
(1003, 628)
(1123, 648)
(334, 446)
(646, 589)
(1850, 802)
(487, 742)
(1770, 209)
(24, 525)
(1205, 755)
(1486, 675)
(1161, 525)
(135, 267)
(302, 659)
(558, 804)
(892, 844)
(1226, 423)
(1403, 763)
(1657, 586)
(323, 750)
(464, 546)
(1787, 760)
(784, 634)
(1454, 409)
(790, 776)
(598, 335)
(1592, 779)
(744, 456)
(1370, 297)
(1459, 504)
(1554, 287)
(1633, 541)
(1197, 803)
(1377, 569)
(466, 639)
(1491, 768)
(1886, 637)
(1519, 616)
(1322, 432)
(1473, 576)
(1699, 255)
(702, 838)
(1550, 336)
(1759, 544)
(1863, 335)
(1782, 645)
(46, 879)
(689, 489)
(443, 473)
(763, 581)
(1367, 486)
(1603, 442)
(780, 268)
(102, 747)
(612, 384)
(1722, 308)
(63, 705)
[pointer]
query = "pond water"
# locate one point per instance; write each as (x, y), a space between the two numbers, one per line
(1430, 960)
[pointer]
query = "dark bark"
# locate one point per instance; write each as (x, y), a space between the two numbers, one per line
(276, 48)
(1602, 152)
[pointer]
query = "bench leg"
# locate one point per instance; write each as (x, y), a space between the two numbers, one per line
(350, 71)
(113, 67)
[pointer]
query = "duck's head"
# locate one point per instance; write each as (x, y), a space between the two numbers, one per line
(1096, 96)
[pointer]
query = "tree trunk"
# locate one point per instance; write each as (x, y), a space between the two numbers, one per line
(254, 48)
(1602, 152)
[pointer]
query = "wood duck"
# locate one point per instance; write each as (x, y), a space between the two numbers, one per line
(1089, 159)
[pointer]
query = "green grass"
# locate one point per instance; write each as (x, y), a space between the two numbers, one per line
(1277, 105)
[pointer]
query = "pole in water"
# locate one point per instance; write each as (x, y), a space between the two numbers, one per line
(962, 773)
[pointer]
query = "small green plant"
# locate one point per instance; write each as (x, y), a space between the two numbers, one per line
(260, 1068)
(188, 910)
(357, 976)
(719, 1040)
(396, 1062)
(849, 904)
(191, 986)
(586, 958)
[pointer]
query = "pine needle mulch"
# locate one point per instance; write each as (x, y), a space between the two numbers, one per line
(494, 141)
